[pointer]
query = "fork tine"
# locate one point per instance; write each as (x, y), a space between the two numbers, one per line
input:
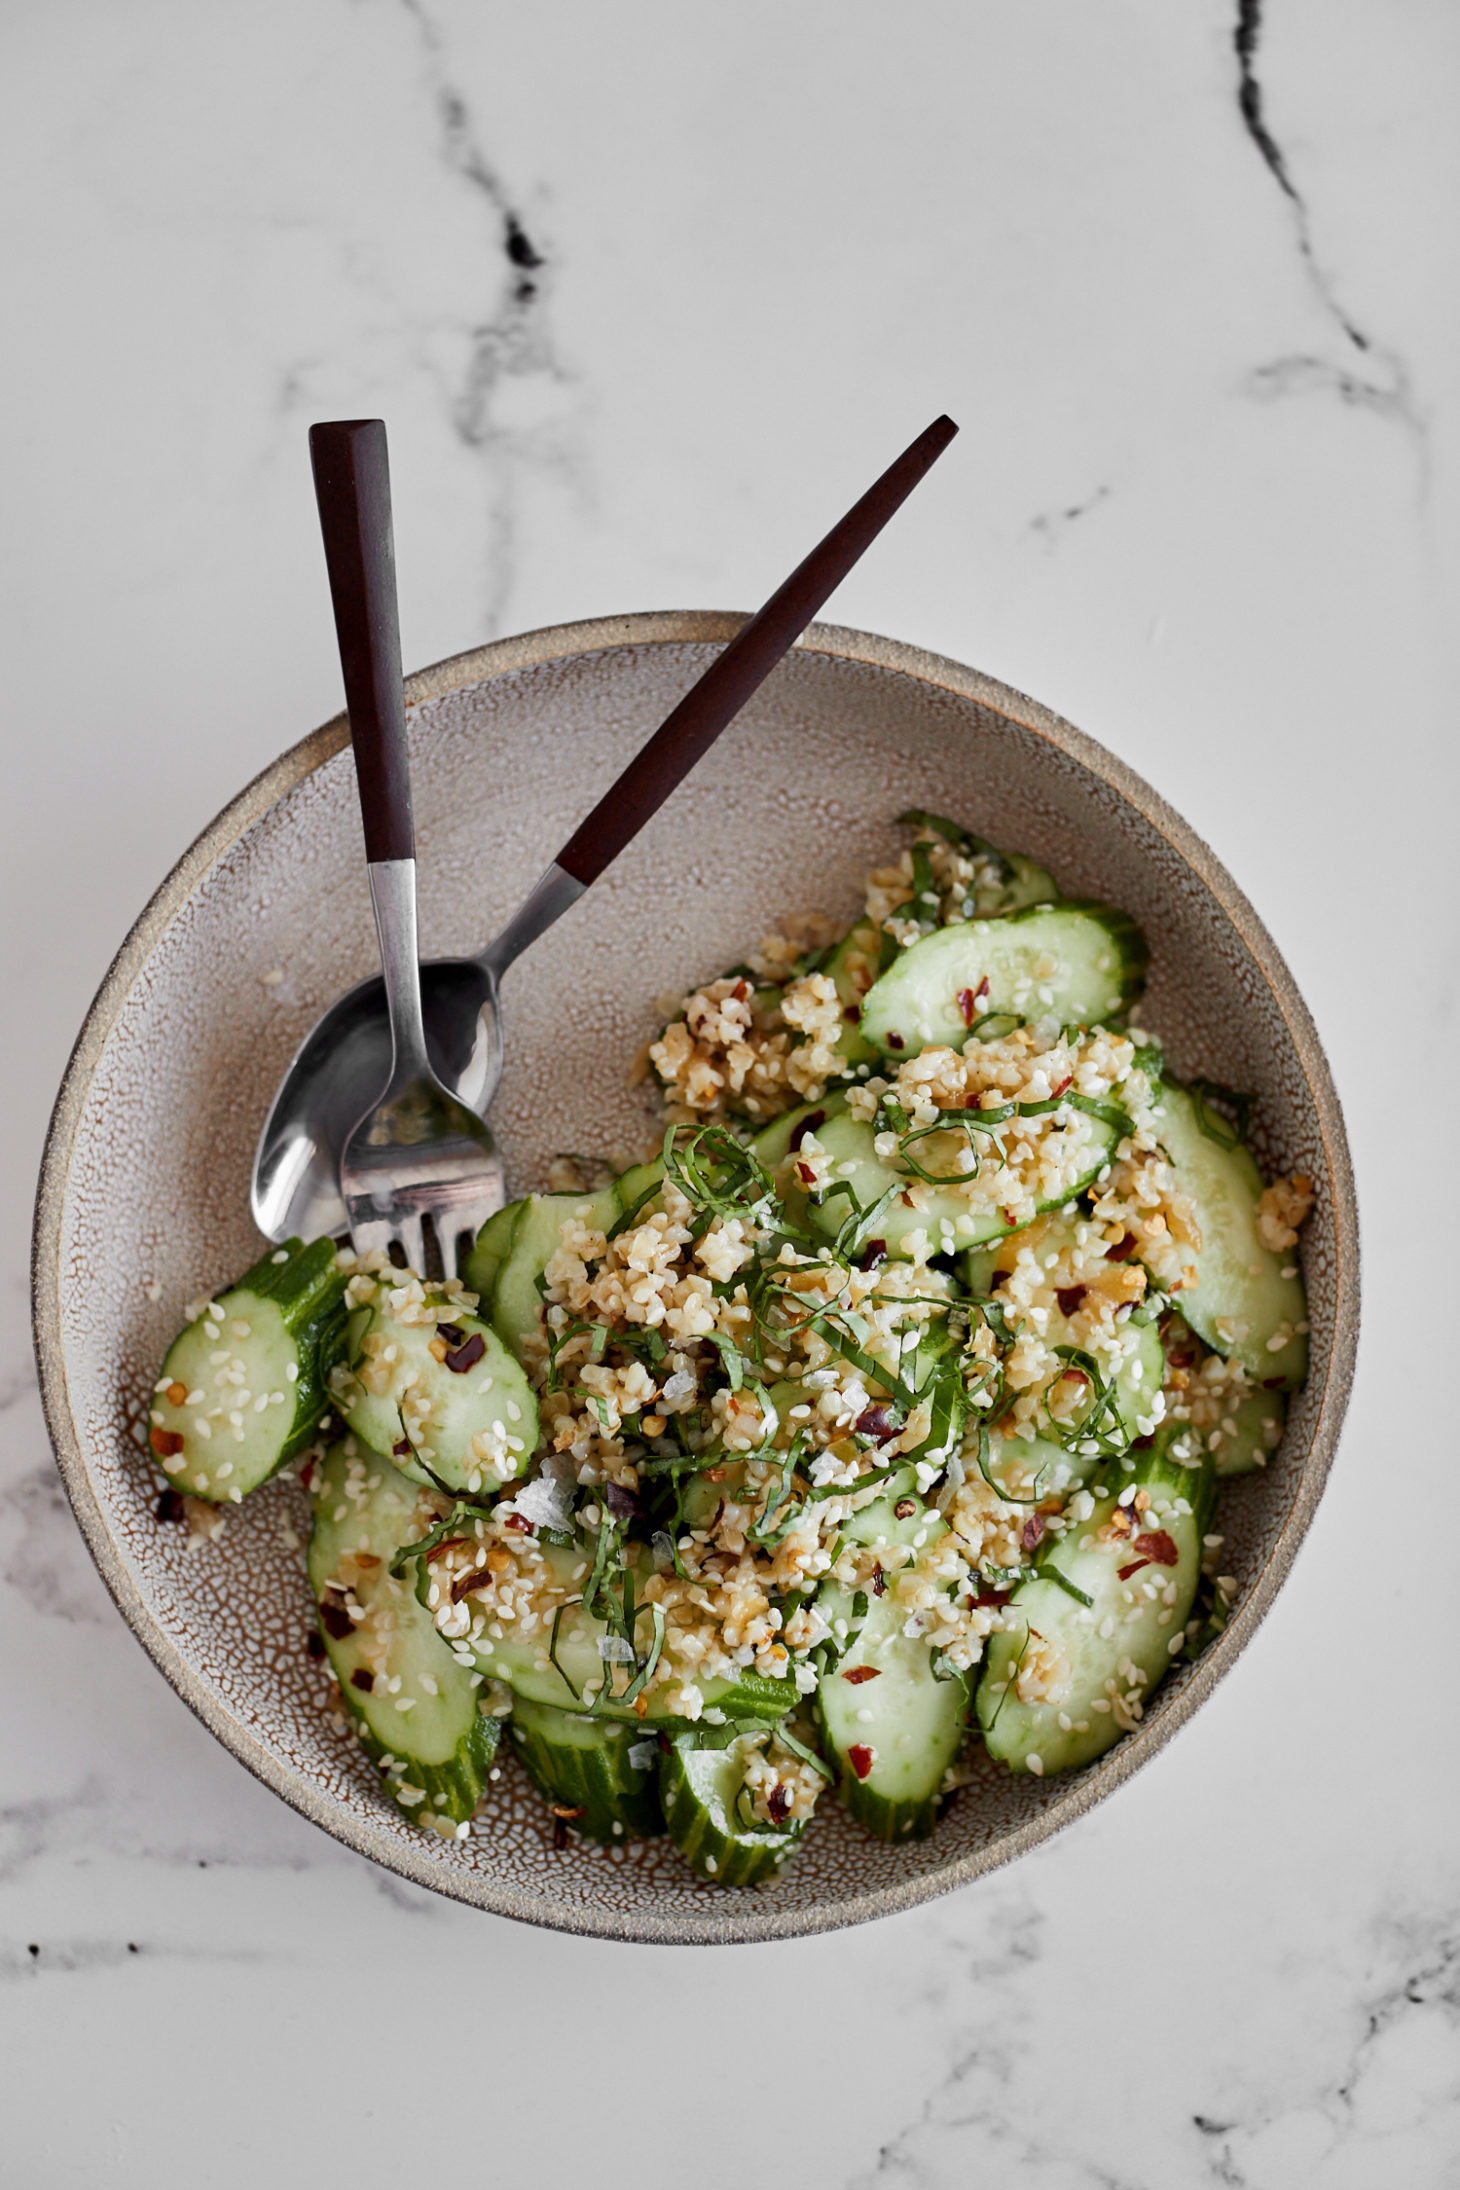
(410, 1230)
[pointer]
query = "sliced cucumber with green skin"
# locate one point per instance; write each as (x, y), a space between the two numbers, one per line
(1099, 967)
(411, 1701)
(889, 1723)
(525, 1662)
(480, 1429)
(1028, 884)
(1242, 1304)
(773, 1142)
(588, 1766)
(493, 1245)
(517, 1309)
(637, 1189)
(1122, 1640)
(1257, 1421)
(1023, 1466)
(242, 1390)
(947, 1220)
(863, 952)
(699, 1787)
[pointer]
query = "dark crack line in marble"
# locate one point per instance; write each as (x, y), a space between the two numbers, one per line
(1391, 392)
(69, 1957)
(1052, 522)
(512, 341)
(1433, 1980)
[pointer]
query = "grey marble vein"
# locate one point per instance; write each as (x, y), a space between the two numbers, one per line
(510, 339)
(1372, 376)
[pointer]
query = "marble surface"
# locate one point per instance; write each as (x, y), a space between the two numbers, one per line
(645, 294)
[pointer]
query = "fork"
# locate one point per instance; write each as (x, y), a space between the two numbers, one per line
(420, 1173)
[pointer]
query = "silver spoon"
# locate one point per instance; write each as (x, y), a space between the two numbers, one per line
(345, 1061)
(420, 1173)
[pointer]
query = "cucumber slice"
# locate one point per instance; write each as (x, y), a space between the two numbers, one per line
(516, 1299)
(1096, 956)
(1122, 1640)
(1242, 1304)
(493, 1245)
(1019, 1464)
(700, 1788)
(243, 1387)
(525, 1662)
(890, 1724)
(773, 1142)
(455, 1408)
(411, 1701)
(948, 1220)
(589, 1766)
(855, 963)
(1028, 884)
(1255, 1432)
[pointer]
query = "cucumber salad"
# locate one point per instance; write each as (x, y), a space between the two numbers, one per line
(881, 1414)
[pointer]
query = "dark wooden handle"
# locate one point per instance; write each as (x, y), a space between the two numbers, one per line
(352, 486)
(687, 735)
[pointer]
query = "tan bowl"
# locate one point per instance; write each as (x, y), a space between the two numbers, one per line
(144, 1187)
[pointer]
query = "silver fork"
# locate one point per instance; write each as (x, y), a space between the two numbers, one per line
(420, 1173)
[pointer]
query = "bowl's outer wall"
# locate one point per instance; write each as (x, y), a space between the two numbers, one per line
(145, 1181)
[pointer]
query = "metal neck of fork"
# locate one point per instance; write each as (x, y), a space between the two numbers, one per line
(551, 895)
(393, 893)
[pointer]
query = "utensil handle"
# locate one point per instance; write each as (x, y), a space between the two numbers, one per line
(689, 732)
(352, 486)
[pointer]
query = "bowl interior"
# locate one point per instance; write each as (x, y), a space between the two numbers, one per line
(145, 1197)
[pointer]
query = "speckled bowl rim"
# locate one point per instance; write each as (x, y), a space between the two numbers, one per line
(745, 1917)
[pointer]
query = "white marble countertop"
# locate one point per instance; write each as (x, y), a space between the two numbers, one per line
(646, 292)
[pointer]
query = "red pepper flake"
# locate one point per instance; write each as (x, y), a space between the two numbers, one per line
(879, 1581)
(991, 1596)
(167, 1444)
(464, 1357)
(466, 1583)
(874, 1254)
(334, 1619)
(1273, 1383)
(1066, 1082)
(1143, 1444)
(741, 990)
(1073, 1376)
(518, 1520)
(447, 1543)
(1122, 1250)
(170, 1507)
(1124, 1573)
(970, 999)
(879, 1421)
(808, 1124)
(567, 1809)
(778, 1802)
(1032, 1532)
(314, 1643)
(451, 1332)
(362, 1680)
(861, 1758)
(860, 1673)
(306, 1473)
(1157, 1545)
(854, 1013)
(1071, 1298)
(895, 1041)
(806, 1174)
(401, 1449)
(620, 1501)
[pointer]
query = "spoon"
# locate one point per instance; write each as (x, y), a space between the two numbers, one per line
(345, 1061)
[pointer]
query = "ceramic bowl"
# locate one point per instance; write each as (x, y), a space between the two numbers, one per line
(144, 1191)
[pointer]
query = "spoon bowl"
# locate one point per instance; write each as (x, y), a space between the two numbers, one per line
(343, 1061)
